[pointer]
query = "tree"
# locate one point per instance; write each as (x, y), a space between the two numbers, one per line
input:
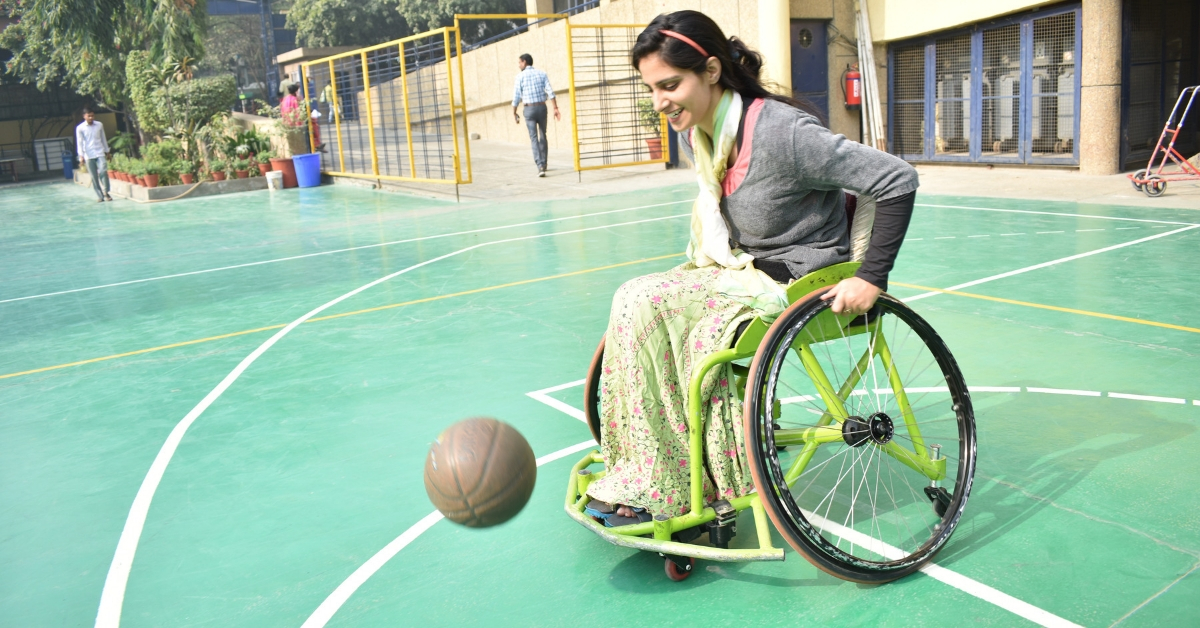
(84, 44)
(426, 15)
(346, 22)
(234, 44)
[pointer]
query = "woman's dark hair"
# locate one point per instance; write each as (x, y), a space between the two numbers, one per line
(294, 88)
(740, 66)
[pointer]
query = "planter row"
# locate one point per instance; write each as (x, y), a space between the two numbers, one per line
(151, 180)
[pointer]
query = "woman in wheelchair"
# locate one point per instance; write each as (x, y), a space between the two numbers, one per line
(772, 207)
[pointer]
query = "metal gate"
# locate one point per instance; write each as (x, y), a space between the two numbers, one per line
(613, 121)
(393, 111)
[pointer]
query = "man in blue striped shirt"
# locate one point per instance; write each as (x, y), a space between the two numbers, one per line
(533, 88)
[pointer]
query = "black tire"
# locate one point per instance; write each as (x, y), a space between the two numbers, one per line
(591, 392)
(1155, 186)
(879, 525)
(1140, 174)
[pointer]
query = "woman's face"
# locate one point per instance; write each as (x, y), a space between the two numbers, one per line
(687, 98)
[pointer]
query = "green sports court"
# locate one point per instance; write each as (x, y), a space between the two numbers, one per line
(216, 412)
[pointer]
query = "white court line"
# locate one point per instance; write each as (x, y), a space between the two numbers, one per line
(1045, 232)
(1065, 391)
(952, 578)
(331, 604)
(1147, 398)
(331, 252)
(958, 581)
(1050, 263)
(1063, 214)
(113, 596)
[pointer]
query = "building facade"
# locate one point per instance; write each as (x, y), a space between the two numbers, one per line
(1084, 84)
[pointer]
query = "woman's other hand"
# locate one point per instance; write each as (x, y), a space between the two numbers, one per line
(852, 296)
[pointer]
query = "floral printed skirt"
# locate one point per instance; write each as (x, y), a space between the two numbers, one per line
(662, 325)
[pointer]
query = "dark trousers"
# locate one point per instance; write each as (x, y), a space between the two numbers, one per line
(535, 121)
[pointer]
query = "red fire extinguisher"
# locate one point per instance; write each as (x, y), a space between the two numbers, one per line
(852, 87)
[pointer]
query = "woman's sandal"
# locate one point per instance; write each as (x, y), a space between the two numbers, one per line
(605, 513)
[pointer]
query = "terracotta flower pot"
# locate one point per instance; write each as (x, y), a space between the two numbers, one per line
(187, 178)
(654, 145)
(242, 174)
(151, 180)
(218, 176)
(140, 180)
(264, 168)
(285, 166)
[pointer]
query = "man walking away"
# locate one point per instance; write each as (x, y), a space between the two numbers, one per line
(92, 146)
(533, 88)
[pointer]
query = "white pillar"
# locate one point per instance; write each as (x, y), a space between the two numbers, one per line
(775, 42)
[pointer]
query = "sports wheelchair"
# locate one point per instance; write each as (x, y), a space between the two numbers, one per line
(859, 434)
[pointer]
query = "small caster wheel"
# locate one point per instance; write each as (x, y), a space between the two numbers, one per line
(1155, 186)
(677, 573)
(1140, 175)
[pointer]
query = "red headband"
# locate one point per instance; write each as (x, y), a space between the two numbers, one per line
(687, 40)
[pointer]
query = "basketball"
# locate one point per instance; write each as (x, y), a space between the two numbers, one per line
(480, 472)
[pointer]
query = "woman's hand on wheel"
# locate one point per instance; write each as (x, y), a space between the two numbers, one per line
(852, 296)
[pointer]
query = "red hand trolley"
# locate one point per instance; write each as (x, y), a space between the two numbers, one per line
(1153, 181)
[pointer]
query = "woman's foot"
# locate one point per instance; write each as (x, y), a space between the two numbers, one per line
(625, 511)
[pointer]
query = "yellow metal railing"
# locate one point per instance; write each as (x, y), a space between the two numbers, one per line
(395, 109)
(413, 106)
(612, 119)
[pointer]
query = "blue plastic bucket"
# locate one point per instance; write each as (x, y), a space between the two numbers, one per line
(68, 165)
(308, 170)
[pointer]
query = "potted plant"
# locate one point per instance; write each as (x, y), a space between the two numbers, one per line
(186, 171)
(216, 168)
(241, 168)
(137, 170)
(154, 170)
(262, 161)
(651, 122)
(114, 167)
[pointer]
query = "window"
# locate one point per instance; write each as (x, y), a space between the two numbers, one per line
(1003, 92)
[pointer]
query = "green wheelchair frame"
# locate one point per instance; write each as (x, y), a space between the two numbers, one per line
(668, 535)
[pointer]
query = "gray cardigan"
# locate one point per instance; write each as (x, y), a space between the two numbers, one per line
(790, 207)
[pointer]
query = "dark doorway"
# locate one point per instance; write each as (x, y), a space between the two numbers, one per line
(810, 64)
(1161, 53)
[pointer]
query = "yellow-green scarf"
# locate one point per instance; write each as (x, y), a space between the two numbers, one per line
(709, 243)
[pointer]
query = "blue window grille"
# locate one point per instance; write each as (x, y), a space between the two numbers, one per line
(1005, 91)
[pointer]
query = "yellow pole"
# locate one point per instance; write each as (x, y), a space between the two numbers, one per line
(312, 142)
(337, 116)
(412, 164)
(370, 115)
(571, 87)
(462, 93)
(450, 90)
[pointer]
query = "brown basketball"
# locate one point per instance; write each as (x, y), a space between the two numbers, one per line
(480, 472)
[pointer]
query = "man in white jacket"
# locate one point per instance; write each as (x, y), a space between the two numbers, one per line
(93, 150)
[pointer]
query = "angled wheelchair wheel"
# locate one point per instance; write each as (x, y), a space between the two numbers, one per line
(879, 435)
(591, 392)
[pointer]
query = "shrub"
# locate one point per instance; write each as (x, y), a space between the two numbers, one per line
(651, 120)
